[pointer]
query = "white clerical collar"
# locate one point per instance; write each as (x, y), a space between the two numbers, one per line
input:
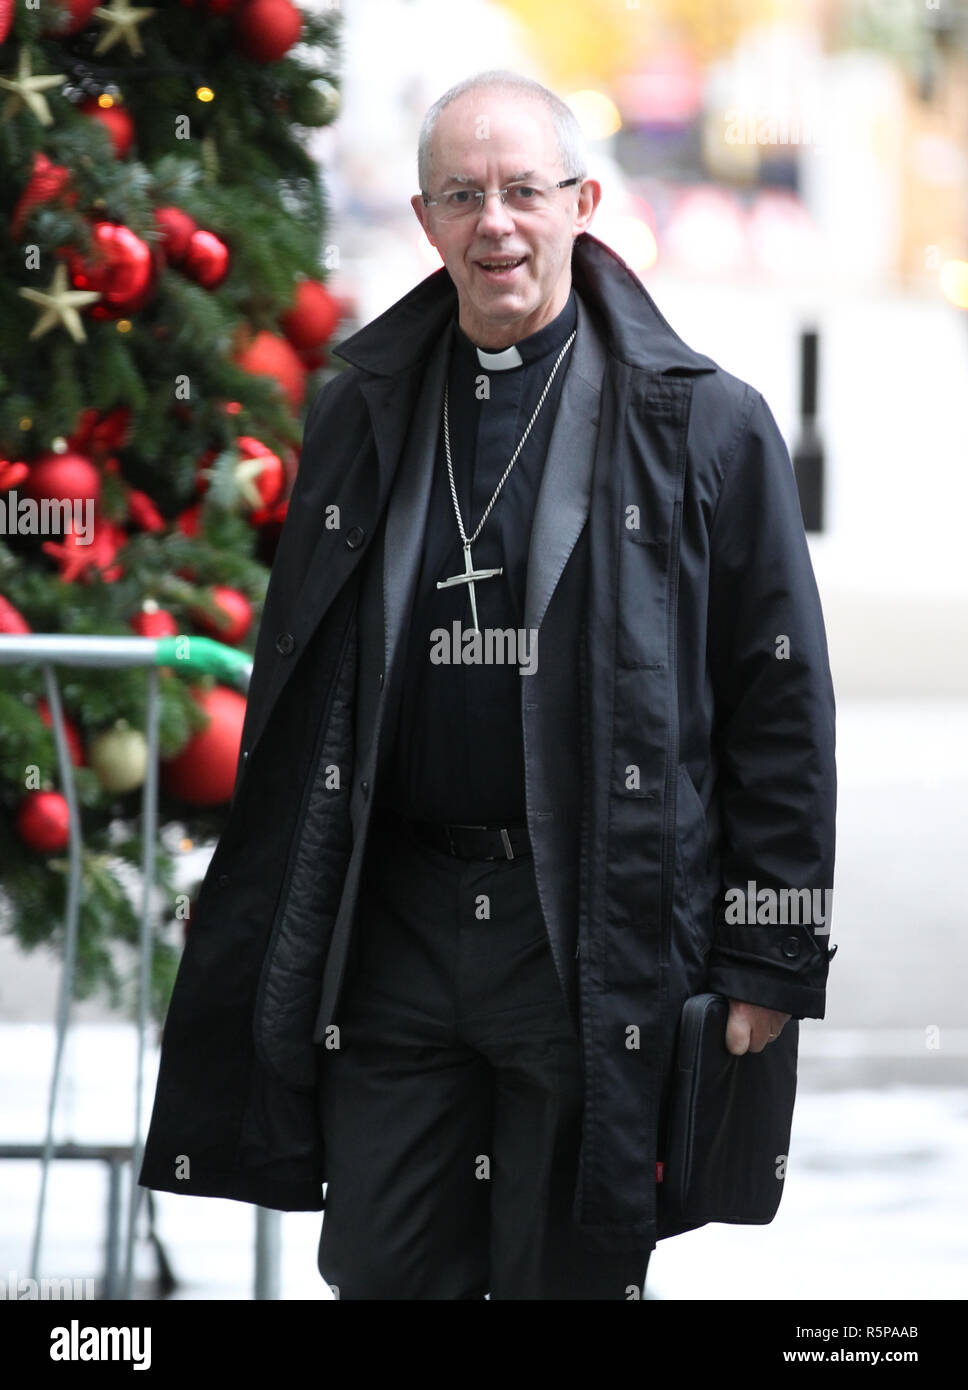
(500, 361)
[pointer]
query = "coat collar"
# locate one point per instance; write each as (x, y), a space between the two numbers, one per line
(633, 329)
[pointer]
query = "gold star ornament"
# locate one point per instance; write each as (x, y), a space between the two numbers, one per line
(121, 19)
(60, 306)
(27, 90)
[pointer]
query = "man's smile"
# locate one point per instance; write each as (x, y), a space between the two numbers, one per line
(500, 268)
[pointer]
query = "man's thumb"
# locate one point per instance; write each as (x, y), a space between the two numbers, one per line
(738, 1033)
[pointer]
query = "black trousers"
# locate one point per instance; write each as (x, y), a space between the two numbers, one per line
(451, 1111)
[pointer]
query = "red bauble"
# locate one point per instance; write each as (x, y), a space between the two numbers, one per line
(46, 182)
(11, 622)
(266, 29)
(43, 821)
(176, 229)
(100, 434)
(70, 476)
(143, 513)
(74, 745)
(122, 269)
(116, 121)
(79, 14)
(152, 621)
(206, 260)
(261, 475)
(6, 18)
(237, 615)
(203, 773)
(12, 472)
(313, 316)
(189, 520)
(269, 355)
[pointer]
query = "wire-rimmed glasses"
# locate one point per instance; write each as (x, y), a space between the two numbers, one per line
(462, 201)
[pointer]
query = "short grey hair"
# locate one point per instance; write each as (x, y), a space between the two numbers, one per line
(571, 140)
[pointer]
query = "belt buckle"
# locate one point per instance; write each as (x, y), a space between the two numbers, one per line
(506, 838)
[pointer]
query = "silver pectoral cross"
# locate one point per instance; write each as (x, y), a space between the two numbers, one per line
(468, 577)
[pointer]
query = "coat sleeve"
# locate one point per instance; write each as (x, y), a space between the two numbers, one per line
(774, 735)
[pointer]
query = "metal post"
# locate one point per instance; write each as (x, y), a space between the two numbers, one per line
(149, 815)
(70, 944)
(268, 1246)
(112, 1252)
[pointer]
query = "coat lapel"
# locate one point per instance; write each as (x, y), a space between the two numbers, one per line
(563, 497)
(554, 608)
(410, 497)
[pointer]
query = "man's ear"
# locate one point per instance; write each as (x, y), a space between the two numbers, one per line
(589, 196)
(417, 203)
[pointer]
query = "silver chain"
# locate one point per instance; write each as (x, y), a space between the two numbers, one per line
(450, 466)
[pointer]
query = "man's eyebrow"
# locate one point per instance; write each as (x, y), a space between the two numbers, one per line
(512, 178)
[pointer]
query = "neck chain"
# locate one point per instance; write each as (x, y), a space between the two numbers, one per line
(470, 575)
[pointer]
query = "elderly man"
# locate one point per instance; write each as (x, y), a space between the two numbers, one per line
(541, 677)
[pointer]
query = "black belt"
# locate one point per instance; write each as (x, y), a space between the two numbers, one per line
(510, 841)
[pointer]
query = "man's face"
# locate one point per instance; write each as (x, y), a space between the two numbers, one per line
(487, 139)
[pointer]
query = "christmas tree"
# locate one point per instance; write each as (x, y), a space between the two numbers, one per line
(162, 319)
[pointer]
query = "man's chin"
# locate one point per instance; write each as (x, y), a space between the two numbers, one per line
(505, 308)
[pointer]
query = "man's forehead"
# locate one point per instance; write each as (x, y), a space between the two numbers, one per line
(479, 119)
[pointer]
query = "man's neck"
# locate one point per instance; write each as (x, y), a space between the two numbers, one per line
(497, 337)
(525, 349)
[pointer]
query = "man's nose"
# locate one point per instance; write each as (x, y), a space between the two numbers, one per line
(494, 216)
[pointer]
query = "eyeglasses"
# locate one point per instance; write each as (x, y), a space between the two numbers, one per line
(519, 197)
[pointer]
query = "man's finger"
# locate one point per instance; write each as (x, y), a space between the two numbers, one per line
(738, 1033)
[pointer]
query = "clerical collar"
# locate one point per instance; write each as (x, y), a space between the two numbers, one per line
(532, 347)
(500, 361)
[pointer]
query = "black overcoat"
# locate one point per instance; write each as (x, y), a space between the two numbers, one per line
(678, 730)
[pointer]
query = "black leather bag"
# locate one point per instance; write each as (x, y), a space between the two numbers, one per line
(729, 1122)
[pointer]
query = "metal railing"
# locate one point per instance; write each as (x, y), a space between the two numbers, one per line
(200, 654)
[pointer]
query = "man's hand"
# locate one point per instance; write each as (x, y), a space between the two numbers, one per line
(750, 1027)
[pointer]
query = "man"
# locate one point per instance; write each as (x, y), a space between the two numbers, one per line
(541, 676)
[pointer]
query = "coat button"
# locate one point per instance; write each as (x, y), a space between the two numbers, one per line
(285, 643)
(365, 787)
(791, 946)
(223, 880)
(354, 537)
(381, 680)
